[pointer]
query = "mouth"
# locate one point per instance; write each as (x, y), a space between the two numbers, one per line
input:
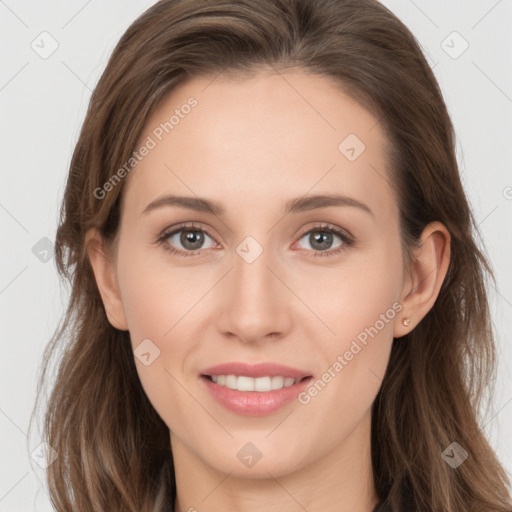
(262, 384)
(254, 389)
(260, 396)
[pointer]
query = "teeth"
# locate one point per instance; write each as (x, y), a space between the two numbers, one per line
(243, 383)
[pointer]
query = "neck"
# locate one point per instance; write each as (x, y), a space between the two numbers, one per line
(339, 480)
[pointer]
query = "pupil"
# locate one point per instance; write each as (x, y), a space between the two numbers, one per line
(192, 239)
(319, 237)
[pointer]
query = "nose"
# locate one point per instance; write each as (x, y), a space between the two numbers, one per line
(254, 305)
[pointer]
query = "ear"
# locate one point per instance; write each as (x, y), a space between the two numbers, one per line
(106, 279)
(430, 262)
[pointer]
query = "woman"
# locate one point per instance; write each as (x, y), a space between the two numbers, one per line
(215, 362)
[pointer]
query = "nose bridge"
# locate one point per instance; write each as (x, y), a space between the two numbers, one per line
(253, 281)
(254, 306)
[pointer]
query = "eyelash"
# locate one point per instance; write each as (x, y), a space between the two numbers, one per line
(324, 228)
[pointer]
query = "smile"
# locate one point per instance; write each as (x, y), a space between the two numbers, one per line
(254, 396)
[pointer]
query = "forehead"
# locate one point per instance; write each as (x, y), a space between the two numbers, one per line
(259, 140)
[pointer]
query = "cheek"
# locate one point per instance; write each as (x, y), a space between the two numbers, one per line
(360, 293)
(156, 294)
(368, 299)
(161, 302)
(359, 305)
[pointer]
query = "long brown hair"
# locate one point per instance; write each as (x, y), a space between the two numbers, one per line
(113, 449)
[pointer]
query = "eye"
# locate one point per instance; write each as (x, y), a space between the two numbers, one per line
(189, 236)
(320, 240)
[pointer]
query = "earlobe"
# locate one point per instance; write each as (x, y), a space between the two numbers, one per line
(430, 262)
(104, 274)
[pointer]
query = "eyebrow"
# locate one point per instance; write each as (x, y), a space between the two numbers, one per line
(297, 205)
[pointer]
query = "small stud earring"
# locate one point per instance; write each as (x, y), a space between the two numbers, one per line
(406, 321)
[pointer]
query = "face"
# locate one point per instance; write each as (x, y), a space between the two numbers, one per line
(315, 287)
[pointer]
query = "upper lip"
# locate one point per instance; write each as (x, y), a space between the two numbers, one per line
(255, 370)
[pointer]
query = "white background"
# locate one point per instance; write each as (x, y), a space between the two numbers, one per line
(43, 102)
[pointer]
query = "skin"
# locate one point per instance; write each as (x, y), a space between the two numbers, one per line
(253, 144)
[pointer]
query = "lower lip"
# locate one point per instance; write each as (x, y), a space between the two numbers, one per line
(254, 403)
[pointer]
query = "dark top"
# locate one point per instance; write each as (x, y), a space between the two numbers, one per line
(381, 507)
